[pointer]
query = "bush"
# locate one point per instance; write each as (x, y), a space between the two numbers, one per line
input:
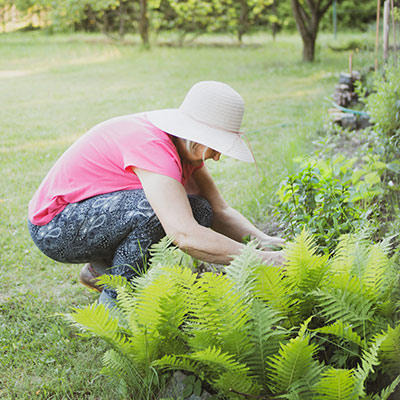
(330, 198)
(317, 329)
(383, 105)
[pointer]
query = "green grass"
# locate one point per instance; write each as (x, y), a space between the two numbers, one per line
(52, 89)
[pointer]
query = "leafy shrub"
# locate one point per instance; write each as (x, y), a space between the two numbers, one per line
(383, 105)
(330, 197)
(352, 44)
(317, 329)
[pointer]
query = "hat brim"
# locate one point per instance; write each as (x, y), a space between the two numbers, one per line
(176, 123)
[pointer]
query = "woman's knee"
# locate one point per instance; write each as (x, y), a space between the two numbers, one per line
(202, 210)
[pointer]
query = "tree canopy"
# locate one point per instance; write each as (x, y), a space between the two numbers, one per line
(190, 18)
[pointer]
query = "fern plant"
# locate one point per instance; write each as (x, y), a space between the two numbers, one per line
(322, 327)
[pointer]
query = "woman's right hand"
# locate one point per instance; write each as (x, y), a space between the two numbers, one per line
(275, 258)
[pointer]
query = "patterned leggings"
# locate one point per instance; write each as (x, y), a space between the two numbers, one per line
(112, 231)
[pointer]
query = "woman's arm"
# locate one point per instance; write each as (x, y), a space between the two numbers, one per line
(169, 201)
(227, 220)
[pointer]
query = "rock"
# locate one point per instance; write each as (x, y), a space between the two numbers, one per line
(349, 121)
(363, 121)
(348, 79)
(337, 117)
(345, 78)
(204, 396)
(177, 388)
(343, 95)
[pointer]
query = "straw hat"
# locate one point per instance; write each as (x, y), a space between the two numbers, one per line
(211, 114)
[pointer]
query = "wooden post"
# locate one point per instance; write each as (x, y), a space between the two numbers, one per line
(394, 30)
(351, 64)
(386, 26)
(334, 19)
(378, 12)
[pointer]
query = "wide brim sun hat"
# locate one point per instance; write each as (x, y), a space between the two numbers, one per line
(211, 114)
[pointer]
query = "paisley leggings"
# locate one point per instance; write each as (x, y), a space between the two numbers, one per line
(112, 231)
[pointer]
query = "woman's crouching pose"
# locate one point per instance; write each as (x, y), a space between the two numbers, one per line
(131, 180)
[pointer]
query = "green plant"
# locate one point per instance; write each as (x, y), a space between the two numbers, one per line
(330, 197)
(383, 105)
(319, 328)
(40, 72)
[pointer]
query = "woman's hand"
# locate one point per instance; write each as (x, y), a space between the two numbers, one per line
(271, 242)
(275, 258)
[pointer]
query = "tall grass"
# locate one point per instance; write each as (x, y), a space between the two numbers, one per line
(52, 89)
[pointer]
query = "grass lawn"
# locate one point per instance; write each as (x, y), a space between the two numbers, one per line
(54, 88)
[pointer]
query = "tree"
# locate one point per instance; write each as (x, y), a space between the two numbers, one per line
(144, 22)
(200, 16)
(308, 14)
(349, 15)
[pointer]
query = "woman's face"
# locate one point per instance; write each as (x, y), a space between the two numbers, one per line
(195, 157)
(201, 152)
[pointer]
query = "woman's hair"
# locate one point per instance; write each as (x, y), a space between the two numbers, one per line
(191, 146)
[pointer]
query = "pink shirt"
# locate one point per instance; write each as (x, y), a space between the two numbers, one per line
(101, 162)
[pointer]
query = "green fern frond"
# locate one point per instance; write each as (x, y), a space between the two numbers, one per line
(161, 306)
(294, 368)
(219, 369)
(140, 282)
(265, 337)
(236, 385)
(219, 315)
(304, 269)
(357, 256)
(182, 276)
(298, 254)
(225, 373)
(350, 254)
(96, 319)
(180, 362)
(165, 281)
(302, 332)
(126, 300)
(389, 352)
(218, 360)
(368, 361)
(335, 384)
(342, 331)
(120, 367)
(348, 283)
(241, 269)
(271, 287)
(148, 301)
(386, 392)
(173, 312)
(351, 247)
(164, 253)
(113, 281)
(351, 307)
(375, 272)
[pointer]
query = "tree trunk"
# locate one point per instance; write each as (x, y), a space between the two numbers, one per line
(144, 23)
(275, 25)
(308, 48)
(122, 15)
(307, 21)
(243, 19)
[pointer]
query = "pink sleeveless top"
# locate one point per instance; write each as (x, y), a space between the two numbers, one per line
(101, 162)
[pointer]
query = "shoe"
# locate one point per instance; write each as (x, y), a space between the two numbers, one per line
(88, 277)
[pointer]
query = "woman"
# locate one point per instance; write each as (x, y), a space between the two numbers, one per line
(130, 180)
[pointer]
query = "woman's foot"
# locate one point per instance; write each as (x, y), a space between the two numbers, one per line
(88, 277)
